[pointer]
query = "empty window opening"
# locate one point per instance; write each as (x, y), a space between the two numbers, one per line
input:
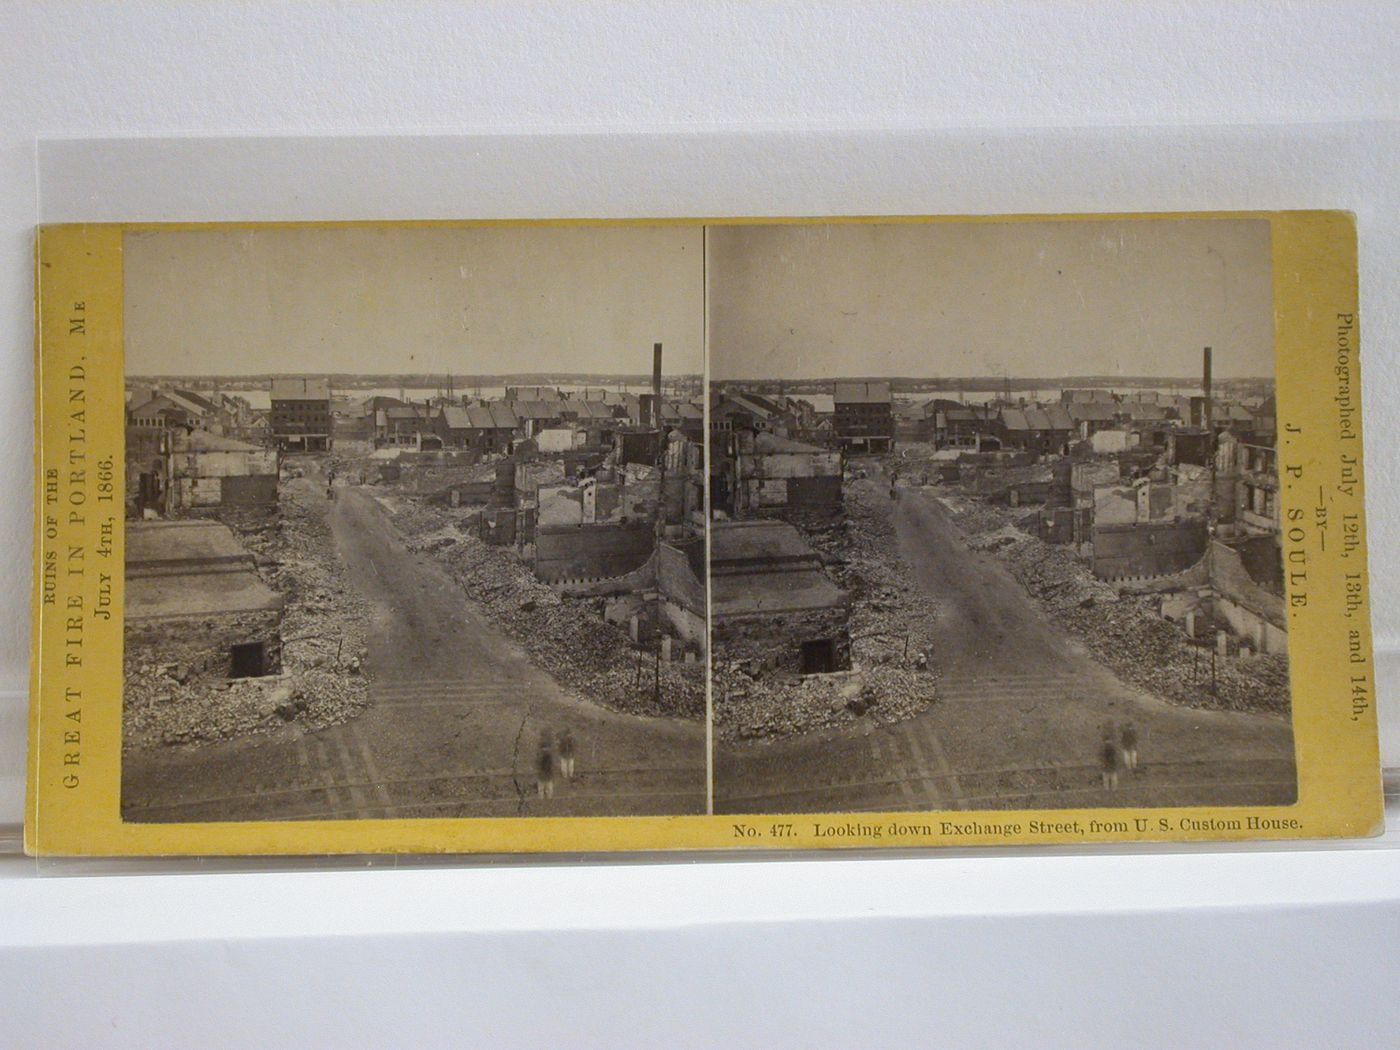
(248, 660)
(818, 657)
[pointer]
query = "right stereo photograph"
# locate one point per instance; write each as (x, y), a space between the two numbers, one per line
(994, 516)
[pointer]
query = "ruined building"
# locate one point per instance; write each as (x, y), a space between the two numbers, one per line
(195, 601)
(772, 604)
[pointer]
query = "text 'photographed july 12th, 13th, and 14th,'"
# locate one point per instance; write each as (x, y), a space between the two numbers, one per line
(642, 520)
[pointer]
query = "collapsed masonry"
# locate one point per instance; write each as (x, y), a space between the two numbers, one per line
(772, 606)
(194, 600)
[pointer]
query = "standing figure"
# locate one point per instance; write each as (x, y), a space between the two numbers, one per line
(1130, 747)
(544, 766)
(1112, 759)
(566, 754)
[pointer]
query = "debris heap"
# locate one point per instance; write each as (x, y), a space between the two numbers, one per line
(567, 637)
(323, 647)
(1125, 631)
(891, 627)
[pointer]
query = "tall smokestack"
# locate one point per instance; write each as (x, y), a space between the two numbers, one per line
(1205, 389)
(656, 385)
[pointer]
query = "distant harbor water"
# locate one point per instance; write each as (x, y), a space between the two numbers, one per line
(261, 399)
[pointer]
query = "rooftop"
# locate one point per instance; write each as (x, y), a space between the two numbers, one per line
(300, 388)
(849, 392)
(766, 567)
(190, 569)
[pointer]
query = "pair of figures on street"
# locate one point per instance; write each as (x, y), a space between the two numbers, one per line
(552, 761)
(1118, 752)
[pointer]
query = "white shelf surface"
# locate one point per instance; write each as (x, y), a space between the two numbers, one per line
(1283, 946)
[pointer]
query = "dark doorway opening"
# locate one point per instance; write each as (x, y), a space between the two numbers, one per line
(818, 657)
(249, 660)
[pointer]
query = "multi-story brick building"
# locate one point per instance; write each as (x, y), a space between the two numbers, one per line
(864, 416)
(300, 419)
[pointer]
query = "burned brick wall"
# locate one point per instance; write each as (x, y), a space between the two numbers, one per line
(1147, 548)
(581, 552)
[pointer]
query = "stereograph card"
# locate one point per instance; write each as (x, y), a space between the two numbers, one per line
(707, 534)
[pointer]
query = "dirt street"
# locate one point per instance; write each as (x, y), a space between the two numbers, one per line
(1019, 719)
(455, 719)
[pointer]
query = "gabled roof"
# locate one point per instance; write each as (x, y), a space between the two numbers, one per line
(300, 388)
(1233, 414)
(194, 407)
(854, 392)
(1014, 419)
(751, 403)
(1036, 418)
(908, 410)
(774, 405)
(455, 417)
(1093, 411)
(537, 409)
(155, 405)
(493, 416)
(502, 418)
(594, 410)
(1033, 417)
(1146, 411)
(199, 401)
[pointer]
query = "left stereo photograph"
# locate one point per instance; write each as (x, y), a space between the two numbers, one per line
(401, 539)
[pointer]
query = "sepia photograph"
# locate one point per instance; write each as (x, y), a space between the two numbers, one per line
(414, 522)
(994, 513)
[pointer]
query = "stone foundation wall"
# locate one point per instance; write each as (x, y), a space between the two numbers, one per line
(775, 642)
(201, 646)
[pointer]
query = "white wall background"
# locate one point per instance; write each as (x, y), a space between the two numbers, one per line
(1248, 104)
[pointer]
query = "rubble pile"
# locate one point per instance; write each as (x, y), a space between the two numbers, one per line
(748, 708)
(566, 637)
(1125, 631)
(161, 710)
(323, 646)
(326, 620)
(892, 620)
(974, 516)
(890, 626)
(544, 471)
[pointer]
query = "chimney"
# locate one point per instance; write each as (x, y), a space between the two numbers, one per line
(656, 385)
(1205, 389)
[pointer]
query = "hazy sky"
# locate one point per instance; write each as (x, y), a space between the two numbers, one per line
(1025, 298)
(483, 299)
